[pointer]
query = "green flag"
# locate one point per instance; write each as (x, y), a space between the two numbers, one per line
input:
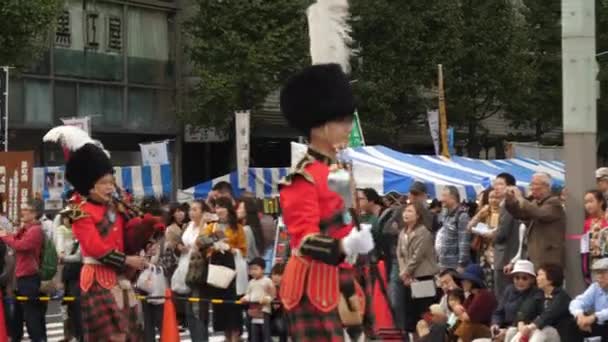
(356, 135)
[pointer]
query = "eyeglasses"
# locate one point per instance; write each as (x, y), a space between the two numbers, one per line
(523, 278)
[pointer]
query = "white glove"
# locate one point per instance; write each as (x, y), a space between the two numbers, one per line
(358, 241)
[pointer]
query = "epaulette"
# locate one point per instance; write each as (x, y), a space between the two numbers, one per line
(299, 170)
(75, 211)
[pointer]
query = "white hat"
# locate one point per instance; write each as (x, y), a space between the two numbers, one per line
(600, 265)
(602, 172)
(523, 266)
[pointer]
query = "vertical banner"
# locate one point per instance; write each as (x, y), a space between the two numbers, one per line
(15, 181)
(433, 119)
(83, 123)
(242, 124)
(443, 116)
(355, 139)
(155, 153)
(4, 108)
(451, 141)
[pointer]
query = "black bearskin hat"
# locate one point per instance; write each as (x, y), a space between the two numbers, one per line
(318, 94)
(87, 161)
(85, 166)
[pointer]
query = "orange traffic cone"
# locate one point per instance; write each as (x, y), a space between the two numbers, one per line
(3, 333)
(170, 331)
(383, 319)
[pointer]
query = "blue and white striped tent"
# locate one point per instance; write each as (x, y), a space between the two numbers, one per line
(263, 182)
(469, 175)
(387, 170)
(142, 181)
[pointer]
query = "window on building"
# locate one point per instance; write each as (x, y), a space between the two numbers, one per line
(38, 108)
(149, 47)
(102, 103)
(63, 34)
(92, 30)
(15, 101)
(65, 100)
(114, 33)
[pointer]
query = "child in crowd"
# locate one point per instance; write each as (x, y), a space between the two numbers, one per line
(260, 293)
(455, 302)
(277, 316)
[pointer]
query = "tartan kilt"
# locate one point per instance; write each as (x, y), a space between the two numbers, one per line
(102, 318)
(306, 323)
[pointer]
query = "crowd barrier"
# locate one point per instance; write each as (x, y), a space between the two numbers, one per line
(176, 297)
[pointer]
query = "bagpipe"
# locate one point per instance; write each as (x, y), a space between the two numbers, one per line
(141, 226)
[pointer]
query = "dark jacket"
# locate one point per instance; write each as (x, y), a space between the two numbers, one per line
(516, 306)
(552, 311)
(506, 245)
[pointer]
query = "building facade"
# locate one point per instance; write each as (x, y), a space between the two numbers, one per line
(114, 61)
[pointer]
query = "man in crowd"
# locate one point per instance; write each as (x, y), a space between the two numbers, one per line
(601, 177)
(545, 219)
(453, 242)
(418, 193)
(590, 309)
(27, 243)
(370, 208)
(506, 241)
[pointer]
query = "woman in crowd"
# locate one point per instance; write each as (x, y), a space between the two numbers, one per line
(417, 262)
(197, 314)
(177, 220)
(476, 312)
(226, 317)
(71, 259)
(553, 318)
(482, 243)
(595, 223)
(518, 304)
(248, 215)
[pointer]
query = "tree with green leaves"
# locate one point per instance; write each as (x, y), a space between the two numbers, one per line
(540, 106)
(398, 45)
(601, 11)
(24, 29)
(489, 69)
(241, 52)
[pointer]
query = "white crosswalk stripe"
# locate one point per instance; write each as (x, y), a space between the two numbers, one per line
(54, 333)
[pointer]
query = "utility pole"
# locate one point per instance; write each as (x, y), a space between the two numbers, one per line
(4, 71)
(579, 71)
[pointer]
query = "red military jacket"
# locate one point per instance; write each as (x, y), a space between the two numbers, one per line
(307, 204)
(307, 200)
(100, 234)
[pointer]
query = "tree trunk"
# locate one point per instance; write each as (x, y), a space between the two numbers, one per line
(473, 146)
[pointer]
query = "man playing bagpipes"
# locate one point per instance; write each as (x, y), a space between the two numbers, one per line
(319, 293)
(109, 238)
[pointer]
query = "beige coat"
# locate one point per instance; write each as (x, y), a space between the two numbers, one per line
(416, 253)
(546, 229)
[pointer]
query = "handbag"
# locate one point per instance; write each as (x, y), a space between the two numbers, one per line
(220, 276)
(152, 282)
(167, 258)
(196, 269)
(178, 280)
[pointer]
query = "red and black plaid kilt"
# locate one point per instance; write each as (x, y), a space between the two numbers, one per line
(101, 317)
(307, 324)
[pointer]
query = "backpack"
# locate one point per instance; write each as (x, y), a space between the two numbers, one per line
(48, 260)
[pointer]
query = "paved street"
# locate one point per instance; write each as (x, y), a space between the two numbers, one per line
(54, 326)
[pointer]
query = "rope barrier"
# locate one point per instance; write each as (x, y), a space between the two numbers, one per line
(184, 298)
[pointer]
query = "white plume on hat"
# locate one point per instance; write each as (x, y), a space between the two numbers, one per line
(329, 33)
(72, 138)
